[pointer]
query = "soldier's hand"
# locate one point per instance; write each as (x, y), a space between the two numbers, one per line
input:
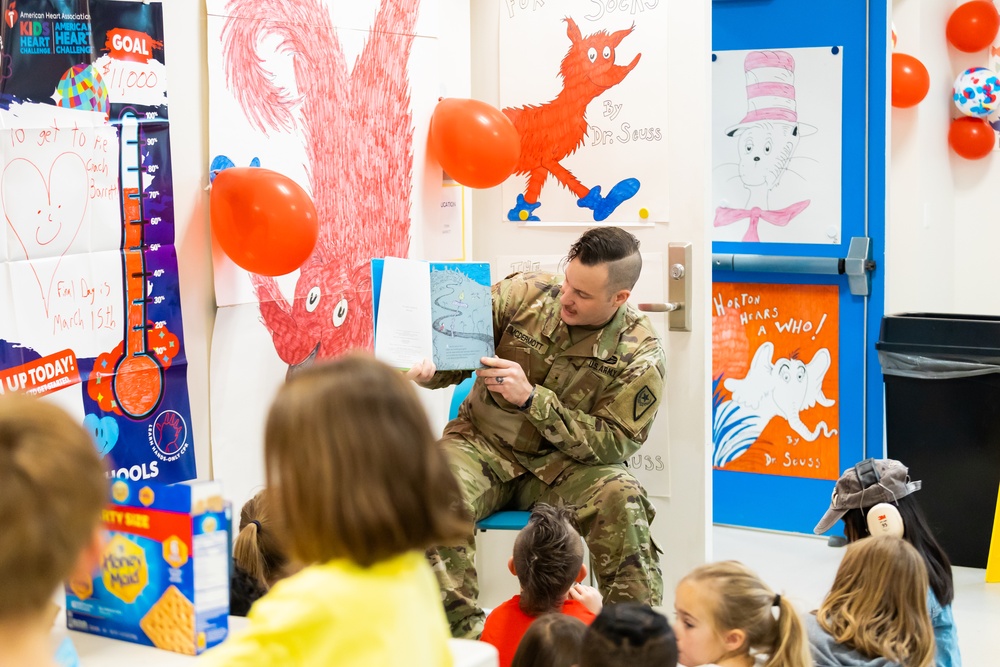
(588, 596)
(422, 371)
(506, 378)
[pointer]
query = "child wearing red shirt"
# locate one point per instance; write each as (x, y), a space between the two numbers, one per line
(548, 562)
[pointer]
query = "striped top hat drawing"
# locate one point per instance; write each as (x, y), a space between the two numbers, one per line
(770, 80)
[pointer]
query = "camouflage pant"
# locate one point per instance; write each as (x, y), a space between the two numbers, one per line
(614, 516)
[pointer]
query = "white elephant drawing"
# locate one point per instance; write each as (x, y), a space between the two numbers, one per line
(784, 388)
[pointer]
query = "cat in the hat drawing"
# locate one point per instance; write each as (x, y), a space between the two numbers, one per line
(766, 139)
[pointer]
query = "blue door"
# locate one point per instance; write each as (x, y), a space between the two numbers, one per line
(799, 170)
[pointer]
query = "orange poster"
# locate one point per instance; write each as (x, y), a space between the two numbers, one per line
(775, 379)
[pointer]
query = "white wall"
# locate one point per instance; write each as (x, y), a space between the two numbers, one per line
(187, 72)
(943, 229)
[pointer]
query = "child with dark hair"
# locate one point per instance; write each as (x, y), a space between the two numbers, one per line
(880, 493)
(360, 489)
(259, 558)
(629, 634)
(552, 640)
(548, 562)
(52, 490)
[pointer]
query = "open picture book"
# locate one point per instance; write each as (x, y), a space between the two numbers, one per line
(441, 311)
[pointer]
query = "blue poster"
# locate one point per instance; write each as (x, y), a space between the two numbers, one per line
(90, 312)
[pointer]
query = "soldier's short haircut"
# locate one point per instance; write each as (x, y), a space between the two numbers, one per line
(612, 246)
(629, 634)
(548, 554)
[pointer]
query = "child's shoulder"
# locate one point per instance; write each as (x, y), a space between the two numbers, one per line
(578, 610)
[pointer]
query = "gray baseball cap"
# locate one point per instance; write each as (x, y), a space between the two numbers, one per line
(887, 481)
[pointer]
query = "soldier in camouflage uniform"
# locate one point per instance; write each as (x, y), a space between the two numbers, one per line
(570, 396)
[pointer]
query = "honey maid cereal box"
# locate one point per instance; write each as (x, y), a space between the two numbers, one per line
(163, 580)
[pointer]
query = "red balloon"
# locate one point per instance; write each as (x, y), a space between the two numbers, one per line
(264, 221)
(973, 26)
(972, 138)
(475, 143)
(910, 81)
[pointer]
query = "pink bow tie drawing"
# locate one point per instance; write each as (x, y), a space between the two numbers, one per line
(781, 217)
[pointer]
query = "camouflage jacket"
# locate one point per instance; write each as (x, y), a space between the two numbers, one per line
(594, 400)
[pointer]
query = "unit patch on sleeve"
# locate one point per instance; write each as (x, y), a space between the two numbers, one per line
(637, 403)
(644, 400)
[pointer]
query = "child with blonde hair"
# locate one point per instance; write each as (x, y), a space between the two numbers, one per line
(728, 617)
(548, 563)
(876, 612)
(259, 558)
(52, 490)
(360, 489)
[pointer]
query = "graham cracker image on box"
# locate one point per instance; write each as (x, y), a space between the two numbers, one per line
(170, 622)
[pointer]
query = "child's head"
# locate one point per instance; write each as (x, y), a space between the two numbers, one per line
(552, 640)
(52, 490)
(875, 481)
(878, 602)
(629, 634)
(724, 609)
(258, 549)
(869, 483)
(548, 559)
(354, 469)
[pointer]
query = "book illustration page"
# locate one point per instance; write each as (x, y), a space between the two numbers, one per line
(462, 310)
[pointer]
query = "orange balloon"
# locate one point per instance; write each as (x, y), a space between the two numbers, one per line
(910, 81)
(475, 142)
(973, 26)
(264, 221)
(972, 138)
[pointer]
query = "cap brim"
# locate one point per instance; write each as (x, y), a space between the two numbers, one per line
(831, 517)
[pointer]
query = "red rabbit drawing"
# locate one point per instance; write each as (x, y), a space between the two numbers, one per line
(556, 129)
(357, 129)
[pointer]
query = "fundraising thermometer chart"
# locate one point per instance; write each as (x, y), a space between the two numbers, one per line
(90, 313)
(138, 384)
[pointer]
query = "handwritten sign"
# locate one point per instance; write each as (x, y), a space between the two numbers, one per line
(61, 200)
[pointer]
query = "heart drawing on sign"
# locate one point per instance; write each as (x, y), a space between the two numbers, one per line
(45, 214)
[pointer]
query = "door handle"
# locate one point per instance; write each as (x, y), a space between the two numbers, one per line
(678, 289)
(858, 264)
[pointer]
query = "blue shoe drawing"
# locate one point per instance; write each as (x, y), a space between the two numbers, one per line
(523, 208)
(605, 206)
(220, 162)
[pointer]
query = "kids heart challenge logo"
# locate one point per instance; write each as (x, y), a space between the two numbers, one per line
(45, 212)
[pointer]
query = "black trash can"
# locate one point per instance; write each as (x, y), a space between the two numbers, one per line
(942, 420)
